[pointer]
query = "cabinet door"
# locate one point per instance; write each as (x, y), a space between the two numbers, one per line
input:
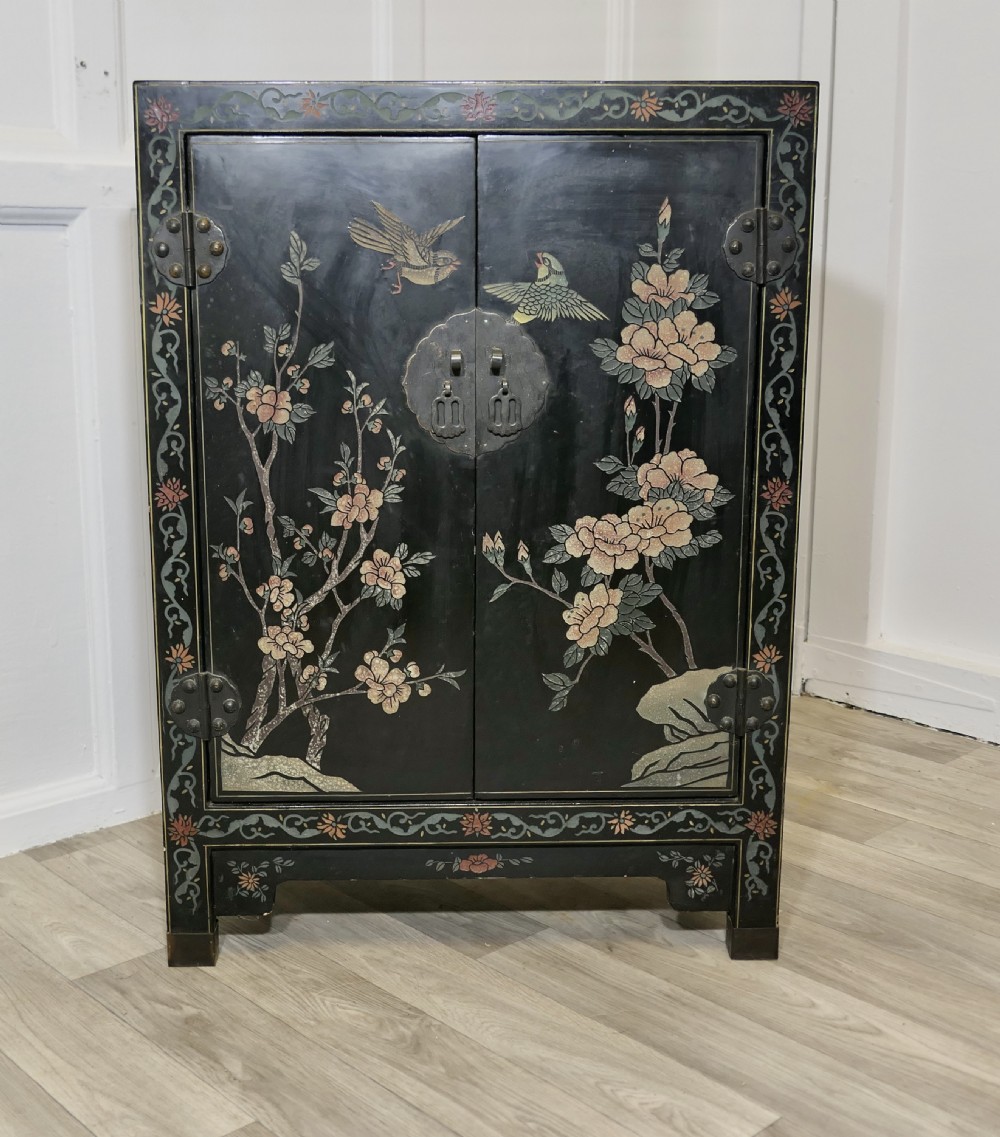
(337, 535)
(614, 527)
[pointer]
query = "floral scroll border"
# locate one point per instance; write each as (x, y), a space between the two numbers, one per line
(162, 113)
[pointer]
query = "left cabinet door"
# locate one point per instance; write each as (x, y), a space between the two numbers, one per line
(336, 535)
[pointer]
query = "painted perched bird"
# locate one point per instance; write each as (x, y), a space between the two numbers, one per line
(410, 252)
(548, 297)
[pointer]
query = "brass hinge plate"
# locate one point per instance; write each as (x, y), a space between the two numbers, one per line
(189, 249)
(740, 701)
(761, 245)
(203, 705)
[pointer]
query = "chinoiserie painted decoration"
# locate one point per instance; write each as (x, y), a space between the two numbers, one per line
(267, 405)
(620, 562)
(411, 254)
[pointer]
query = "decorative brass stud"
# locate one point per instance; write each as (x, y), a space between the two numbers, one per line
(216, 248)
(730, 679)
(788, 244)
(162, 249)
(203, 224)
(230, 706)
(753, 723)
(713, 701)
(748, 225)
(173, 225)
(220, 726)
(753, 681)
(193, 725)
(190, 685)
(176, 270)
(735, 247)
(204, 271)
(773, 268)
(747, 269)
(177, 707)
(215, 685)
(726, 722)
(767, 703)
(775, 220)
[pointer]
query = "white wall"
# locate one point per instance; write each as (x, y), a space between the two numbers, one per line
(902, 610)
(899, 596)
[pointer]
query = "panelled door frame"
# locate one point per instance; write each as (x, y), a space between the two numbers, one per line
(784, 114)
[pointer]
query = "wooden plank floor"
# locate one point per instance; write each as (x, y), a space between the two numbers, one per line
(546, 1009)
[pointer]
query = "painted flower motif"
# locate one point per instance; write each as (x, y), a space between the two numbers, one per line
(424, 690)
(666, 211)
(590, 613)
(413, 670)
(181, 830)
(621, 822)
(279, 592)
(663, 524)
(661, 348)
(167, 308)
(777, 493)
(701, 877)
(522, 552)
(479, 107)
(762, 824)
(782, 302)
(476, 824)
(248, 882)
(608, 543)
(387, 687)
(360, 504)
(228, 348)
(314, 677)
(386, 572)
(767, 657)
(180, 658)
(283, 643)
(159, 114)
(663, 289)
(269, 405)
(478, 863)
(223, 572)
(682, 466)
(334, 829)
(796, 108)
(169, 494)
(247, 525)
(311, 105)
(645, 106)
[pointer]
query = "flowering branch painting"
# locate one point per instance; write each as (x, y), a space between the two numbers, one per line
(326, 561)
(619, 563)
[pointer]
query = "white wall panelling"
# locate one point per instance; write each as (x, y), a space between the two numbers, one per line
(898, 596)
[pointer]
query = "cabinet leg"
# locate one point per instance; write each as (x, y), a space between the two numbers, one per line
(751, 943)
(193, 949)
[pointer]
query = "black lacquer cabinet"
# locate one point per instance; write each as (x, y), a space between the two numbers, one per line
(474, 421)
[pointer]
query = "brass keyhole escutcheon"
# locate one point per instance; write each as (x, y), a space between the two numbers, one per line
(476, 382)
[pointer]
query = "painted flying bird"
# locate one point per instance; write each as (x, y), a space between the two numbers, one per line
(548, 297)
(410, 252)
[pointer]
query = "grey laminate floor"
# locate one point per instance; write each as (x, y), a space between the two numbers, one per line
(542, 1008)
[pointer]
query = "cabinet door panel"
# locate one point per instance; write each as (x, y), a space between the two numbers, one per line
(342, 610)
(622, 508)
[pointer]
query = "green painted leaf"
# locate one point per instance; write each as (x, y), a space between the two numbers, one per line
(557, 681)
(559, 582)
(557, 555)
(610, 465)
(500, 590)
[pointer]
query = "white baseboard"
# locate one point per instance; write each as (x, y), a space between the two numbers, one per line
(960, 696)
(64, 809)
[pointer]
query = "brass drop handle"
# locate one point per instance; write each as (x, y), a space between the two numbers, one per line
(496, 360)
(456, 361)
